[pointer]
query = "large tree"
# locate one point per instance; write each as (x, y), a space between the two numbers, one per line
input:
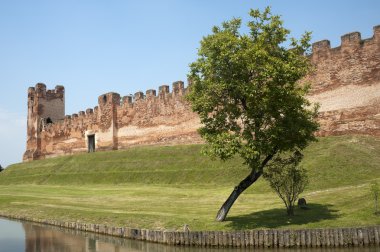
(246, 90)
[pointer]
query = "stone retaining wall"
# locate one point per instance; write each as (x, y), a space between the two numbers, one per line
(328, 237)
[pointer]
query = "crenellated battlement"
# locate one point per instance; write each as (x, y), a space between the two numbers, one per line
(89, 111)
(41, 91)
(164, 89)
(150, 93)
(350, 40)
(323, 45)
(114, 112)
(45, 107)
(128, 101)
(139, 96)
(163, 116)
(355, 62)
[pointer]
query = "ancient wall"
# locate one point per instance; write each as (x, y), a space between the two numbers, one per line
(119, 123)
(345, 81)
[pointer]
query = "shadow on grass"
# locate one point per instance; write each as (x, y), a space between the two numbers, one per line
(277, 217)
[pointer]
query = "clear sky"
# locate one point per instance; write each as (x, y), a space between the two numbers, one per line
(93, 46)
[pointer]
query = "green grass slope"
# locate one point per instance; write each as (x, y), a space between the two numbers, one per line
(166, 187)
(148, 165)
(332, 161)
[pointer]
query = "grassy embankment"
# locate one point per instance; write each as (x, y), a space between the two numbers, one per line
(166, 187)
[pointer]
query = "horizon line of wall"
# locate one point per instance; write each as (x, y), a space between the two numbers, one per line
(352, 39)
(178, 89)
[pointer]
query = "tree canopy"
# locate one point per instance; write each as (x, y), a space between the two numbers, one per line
(246, 90)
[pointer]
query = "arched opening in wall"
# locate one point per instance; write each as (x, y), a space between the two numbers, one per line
(48, 120)
(91, 143)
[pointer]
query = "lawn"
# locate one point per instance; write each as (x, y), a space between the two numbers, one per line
(167, 187)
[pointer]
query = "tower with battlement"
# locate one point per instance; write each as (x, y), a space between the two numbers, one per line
(44, 107)
(345, 81)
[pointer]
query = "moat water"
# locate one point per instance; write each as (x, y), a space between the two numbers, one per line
(18, 236)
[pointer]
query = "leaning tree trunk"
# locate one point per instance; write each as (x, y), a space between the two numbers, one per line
(244, 184)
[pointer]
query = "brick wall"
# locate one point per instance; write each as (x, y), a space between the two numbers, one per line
(345, 81)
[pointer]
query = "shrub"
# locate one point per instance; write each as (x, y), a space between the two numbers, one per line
(287, 179)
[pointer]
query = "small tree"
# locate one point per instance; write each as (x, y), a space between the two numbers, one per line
(1, 168)
(287, 179)
(375, 190)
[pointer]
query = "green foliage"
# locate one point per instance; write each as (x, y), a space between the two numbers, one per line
(1, 168)
(287, 179)
(375, 191)
(245, 89)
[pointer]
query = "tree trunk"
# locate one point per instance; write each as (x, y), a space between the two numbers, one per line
(290, 210)
(244, 184)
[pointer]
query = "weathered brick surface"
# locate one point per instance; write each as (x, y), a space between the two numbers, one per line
(355, 62)
(43, 106)
(345, 81)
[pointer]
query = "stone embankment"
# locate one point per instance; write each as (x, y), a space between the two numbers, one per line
(304, 238)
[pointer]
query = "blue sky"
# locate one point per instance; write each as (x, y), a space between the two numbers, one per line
(93, 47)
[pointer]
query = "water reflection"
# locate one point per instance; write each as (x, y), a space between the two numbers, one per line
(41, 238)
(12, 236)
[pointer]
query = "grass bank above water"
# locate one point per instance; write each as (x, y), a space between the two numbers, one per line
(166, 187)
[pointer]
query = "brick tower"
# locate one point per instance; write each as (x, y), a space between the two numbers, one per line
(44, 107)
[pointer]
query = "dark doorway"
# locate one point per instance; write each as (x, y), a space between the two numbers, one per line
(91, 143)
